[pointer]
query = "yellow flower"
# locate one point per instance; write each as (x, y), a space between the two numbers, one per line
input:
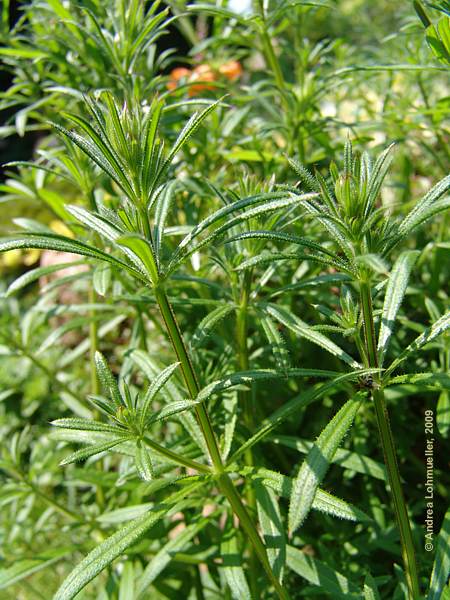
(60, 228)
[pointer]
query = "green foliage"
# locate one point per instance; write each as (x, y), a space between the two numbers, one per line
(207, 274)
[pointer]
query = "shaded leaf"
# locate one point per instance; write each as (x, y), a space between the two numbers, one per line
(430, 334)
(292, 322)
(318, 573)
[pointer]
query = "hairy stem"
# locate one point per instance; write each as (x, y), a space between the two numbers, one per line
(224, 480)
(387, 442)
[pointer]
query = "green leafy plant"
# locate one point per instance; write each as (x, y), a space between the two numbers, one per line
(214, 308)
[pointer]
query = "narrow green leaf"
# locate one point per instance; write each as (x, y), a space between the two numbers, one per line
(115, 545)
(148, 366)
(107, 379)
(74, 436)
(306, 177)
(157, 384)
(415, 217)
(278, 236)
(215, 217)
(439, 45)
(188, 130)
(98, 223)
(345, 458)
(162, 208)
(126, 587)
(23, 52)
(99, 148)
(430, 334)
(86, 425)
(316, 464)
(28, 566)
(421, 13)
(59, 243)
(232, 566)
(211, 320)
(336, 507)
(35, 274)
(89, 451)
(249, 377)
(370, 588)
(276, 342)
(143, 251)
(378, 174)
(443, 413)
(292, 406)
(171, 409)
(101, 279)
(434, 380)
(441, 566)
(374, 262)
(127, 513)
(272, 528)
(143, 462)
(267, 257)
(164, 557)
(324, 502)
(398, 281)
(292, 322)
(327, 221)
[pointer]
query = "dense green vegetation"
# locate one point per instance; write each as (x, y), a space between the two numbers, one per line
(224, 356)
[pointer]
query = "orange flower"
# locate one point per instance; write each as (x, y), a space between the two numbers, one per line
(176, 75)
(203, 74)
(232, 70)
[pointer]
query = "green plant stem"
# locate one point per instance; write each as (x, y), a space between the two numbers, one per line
(188, 375)
(269, 51)
(272, 59)
(242, 348)
(245, 400)
(387, 442)
(175, 457)
(224, 480)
